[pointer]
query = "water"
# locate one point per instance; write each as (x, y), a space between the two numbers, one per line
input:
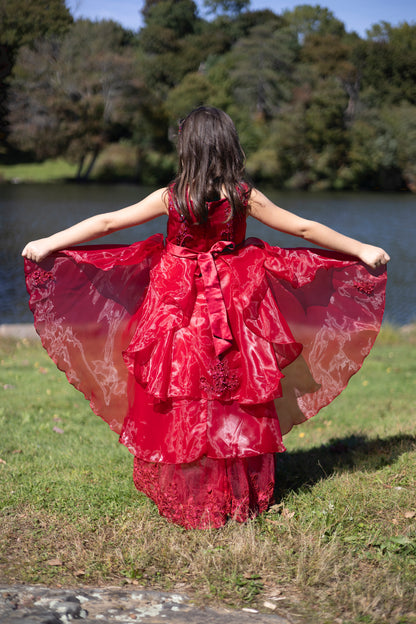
(32, 211)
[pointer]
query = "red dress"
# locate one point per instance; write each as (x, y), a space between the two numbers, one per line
(202, 351)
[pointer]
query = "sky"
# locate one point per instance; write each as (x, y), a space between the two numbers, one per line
(357, 15)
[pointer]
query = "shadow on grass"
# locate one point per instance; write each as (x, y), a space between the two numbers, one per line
(298, 469)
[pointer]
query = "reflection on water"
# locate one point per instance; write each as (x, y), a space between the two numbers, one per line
(33, 211)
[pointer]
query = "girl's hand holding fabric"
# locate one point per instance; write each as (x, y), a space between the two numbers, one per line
(37, 250)
(373, 256)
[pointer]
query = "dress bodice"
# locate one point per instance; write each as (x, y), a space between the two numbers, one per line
(221, 226)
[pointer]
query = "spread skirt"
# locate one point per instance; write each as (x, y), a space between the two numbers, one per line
(201, 361)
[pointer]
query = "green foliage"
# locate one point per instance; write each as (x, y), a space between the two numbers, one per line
(77, 90)
(22, 22)
(390, 62)
(178, 16)
(263, 69)
(316, 107)
(194, 90)
(306, 20)
(233, 7)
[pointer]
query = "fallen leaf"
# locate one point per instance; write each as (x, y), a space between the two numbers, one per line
(54, 562)
(287, 514)
(80, 573)
(275, 508)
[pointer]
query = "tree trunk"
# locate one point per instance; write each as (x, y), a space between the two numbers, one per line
(80, 166)
(94, 157)
(84, 175)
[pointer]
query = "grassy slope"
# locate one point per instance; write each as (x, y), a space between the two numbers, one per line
(339, 543)
(116, 161)
(48, 171)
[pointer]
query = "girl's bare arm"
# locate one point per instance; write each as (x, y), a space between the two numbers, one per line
(268, 213)
(152, 206)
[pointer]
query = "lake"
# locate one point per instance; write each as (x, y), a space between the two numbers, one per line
(33, 211)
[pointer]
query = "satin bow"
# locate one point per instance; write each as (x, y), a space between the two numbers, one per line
(217, 312)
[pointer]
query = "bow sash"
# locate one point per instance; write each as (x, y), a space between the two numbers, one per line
(217, 312)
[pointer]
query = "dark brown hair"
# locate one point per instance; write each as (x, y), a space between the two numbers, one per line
(211, 162)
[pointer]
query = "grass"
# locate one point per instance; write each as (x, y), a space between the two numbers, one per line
(339, 546)
(48, 171)
(115, 162)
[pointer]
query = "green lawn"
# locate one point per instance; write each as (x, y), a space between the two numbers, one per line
(338, 546)
(48, 171)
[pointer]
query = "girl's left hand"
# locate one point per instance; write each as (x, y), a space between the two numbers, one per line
(37, 250)
(373, 256)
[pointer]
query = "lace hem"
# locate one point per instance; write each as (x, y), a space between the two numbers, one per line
(206, 493)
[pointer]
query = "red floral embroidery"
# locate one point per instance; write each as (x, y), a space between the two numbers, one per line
(222, 380)
(228, 231)
(365, 287)
(41, 278)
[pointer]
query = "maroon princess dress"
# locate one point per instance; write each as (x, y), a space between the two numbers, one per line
(202, 351)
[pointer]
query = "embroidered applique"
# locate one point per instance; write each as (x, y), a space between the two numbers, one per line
(183, 234)
(41, 278)
(365, 287)
(228, 231)
(221, 380)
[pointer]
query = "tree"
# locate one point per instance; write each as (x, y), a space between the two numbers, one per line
(373, 153)
(194, 90)
(263, 69)
(22, 22)
(328, 56)
(71, 96)
(307, 20)
(231, 7)
(162, 40)
(389, 64)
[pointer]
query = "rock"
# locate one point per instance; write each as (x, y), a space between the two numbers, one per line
(41, 605)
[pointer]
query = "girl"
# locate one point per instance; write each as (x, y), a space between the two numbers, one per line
(203, 351)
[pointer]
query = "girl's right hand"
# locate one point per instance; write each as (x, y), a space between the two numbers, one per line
(37, 250)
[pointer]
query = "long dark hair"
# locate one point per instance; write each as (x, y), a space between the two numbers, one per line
(211, 162)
